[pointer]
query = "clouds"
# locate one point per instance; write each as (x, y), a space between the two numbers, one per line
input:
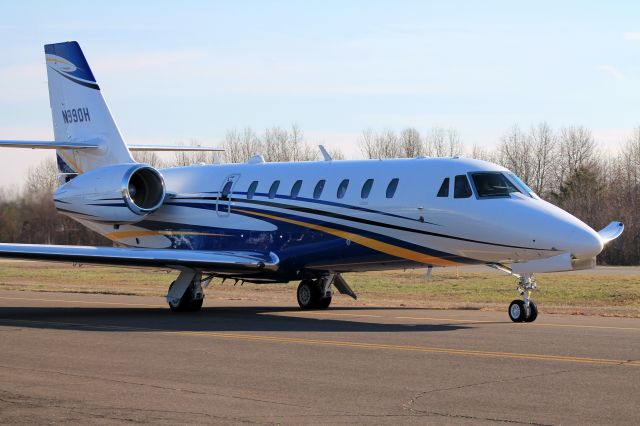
(632, 35)
(612, 71)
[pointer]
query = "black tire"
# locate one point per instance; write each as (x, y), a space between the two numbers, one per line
(324, 303)
(533, 312)
(308, 294)
(186, 303)
(196, 305)
(517, 311)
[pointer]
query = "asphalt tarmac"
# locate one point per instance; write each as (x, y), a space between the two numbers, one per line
(101, 359)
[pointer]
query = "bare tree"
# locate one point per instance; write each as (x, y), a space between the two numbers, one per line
(411, 143)
(385, 144)
(436, 142)
(630, 158)
(42, 179)
(187, 158)
(336, 154)
(148, 157)
(454, 143)
(240, 146)
(515, 153)
(367, 143)
(282, 145)
(481, 153)
(543, 144)
(577, 149)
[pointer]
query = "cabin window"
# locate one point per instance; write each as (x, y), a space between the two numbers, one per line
(274, 189)
(366, 189)
(461, 189)
(342, 188)
(444, 188)
(317, 192)
(252, 189)
(224, 194)
(295, 189)
(493, 185)
(391, 188)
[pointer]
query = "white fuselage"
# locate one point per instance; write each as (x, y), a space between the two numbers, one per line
(216, 207)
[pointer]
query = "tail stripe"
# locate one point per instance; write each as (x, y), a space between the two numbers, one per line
(82, 83)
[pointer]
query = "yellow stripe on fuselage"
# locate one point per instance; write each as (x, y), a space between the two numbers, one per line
(365, 241)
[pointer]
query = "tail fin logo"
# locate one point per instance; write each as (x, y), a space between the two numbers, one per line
(60, 64)
(71, 72)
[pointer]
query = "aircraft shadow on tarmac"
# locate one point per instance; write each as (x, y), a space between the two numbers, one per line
(210, 319)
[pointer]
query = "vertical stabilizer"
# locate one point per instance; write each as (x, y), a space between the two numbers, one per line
(80, 113)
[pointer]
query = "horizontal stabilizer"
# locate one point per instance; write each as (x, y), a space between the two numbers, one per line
(172, 148)
(224, 262)
(48, 144)
(611, 231)
(95, 144)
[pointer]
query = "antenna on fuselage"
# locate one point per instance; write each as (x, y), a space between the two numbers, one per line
(325, 153)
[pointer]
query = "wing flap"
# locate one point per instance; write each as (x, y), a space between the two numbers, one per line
(227, 262)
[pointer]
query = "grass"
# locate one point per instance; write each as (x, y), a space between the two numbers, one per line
(588, 292)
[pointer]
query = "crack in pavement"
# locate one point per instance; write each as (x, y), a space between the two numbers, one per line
(169, 388)
(409, 405)
(102, 412)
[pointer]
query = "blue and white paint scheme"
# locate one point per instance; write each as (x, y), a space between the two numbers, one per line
(277, 222)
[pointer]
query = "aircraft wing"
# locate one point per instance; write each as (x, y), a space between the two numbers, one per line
(224, 262)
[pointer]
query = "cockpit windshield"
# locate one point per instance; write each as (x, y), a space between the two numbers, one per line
(493, 184)
(523, 186)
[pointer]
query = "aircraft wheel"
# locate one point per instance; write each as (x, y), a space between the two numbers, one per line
(187, 303)
(324, 303)
(517, 311)
(533, 312)
(308, 294)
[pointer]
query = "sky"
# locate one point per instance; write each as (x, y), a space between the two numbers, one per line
(176, 71)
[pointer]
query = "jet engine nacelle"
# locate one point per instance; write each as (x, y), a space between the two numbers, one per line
(119, 194)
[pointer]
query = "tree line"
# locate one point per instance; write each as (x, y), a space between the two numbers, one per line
(564, 166)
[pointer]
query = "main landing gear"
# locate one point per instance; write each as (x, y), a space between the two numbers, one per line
(186, 293)
(524, 310)
(317, 294)
(312, 295)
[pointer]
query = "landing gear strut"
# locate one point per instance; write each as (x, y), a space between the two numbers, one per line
(524, 310)
(186, 293)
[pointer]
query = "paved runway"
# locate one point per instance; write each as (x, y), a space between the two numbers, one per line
(96, 359)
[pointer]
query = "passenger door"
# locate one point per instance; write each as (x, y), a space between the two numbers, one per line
(225, 195)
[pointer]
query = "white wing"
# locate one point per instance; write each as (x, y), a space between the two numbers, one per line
(225, 262)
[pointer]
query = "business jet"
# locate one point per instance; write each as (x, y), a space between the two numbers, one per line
(311, 222)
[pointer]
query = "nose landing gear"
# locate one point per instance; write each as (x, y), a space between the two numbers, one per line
(524, 310)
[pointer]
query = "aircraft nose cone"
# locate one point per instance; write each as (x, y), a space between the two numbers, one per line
(585, 243)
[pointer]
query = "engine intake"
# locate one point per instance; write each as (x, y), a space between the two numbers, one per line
(119, 194)
(143, 190)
